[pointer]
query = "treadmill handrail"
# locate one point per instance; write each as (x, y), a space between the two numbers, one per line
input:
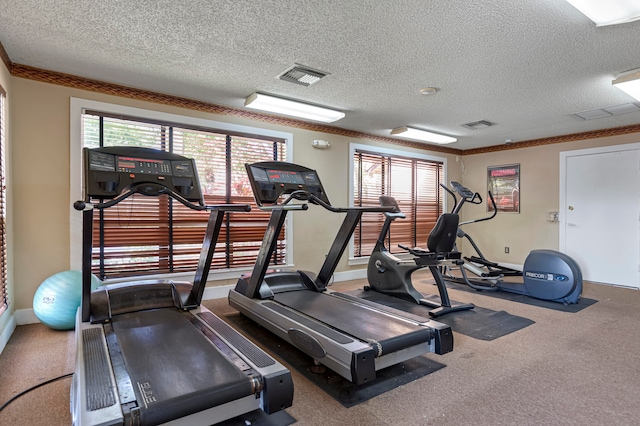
(306, 195)
(135, 189)
(281, 207)
(217, 212)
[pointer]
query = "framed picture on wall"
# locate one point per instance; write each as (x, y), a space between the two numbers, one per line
(504, 184)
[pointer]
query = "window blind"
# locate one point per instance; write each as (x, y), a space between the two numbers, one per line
(414, 183)
(153, 235)
(3, 198)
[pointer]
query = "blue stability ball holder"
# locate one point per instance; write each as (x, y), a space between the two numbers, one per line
(58, 298)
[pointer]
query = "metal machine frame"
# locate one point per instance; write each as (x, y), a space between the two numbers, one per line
(391, 275)
(547, 274)
(147, 352)
(351, 336)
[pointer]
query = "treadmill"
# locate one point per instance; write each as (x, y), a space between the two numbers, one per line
(352, 336)
(147, 353)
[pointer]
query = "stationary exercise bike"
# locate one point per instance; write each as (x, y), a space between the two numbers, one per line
(547, 274)
(391, 275)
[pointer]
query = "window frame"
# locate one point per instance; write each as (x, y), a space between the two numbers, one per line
(4, 279)
(78, 106)
(353, 147)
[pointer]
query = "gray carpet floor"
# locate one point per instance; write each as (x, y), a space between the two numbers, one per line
(566, 368)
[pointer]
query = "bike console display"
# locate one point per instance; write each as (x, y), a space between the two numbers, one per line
(111, 170)
(271, 179)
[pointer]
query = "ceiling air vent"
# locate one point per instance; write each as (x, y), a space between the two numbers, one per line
(608, 111)
(300, 74)
(482, 124)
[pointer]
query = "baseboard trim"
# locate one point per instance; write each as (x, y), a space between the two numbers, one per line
(7, 332)
(350, 275)
(218, 292)
(26, 316)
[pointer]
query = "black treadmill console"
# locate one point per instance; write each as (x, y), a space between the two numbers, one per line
(109, 171)
(462, 190)
(271, 179)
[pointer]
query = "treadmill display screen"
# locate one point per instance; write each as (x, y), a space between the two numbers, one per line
(281, 176)
(101, 161)
(143, 165)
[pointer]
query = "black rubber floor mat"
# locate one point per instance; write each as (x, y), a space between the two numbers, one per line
(342, 390)
(521, 298)
(260, 418)
(479, 323)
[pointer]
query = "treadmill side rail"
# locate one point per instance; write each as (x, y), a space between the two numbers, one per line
(97, 398)
(87, 408)
(276, 391)
(355, 358)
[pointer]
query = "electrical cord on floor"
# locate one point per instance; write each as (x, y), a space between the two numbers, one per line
(13, 398)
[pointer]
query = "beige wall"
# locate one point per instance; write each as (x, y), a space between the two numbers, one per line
(539, 194)
(5, 82)
(41, 182)
(40, 174)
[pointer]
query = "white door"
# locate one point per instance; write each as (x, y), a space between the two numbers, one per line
(601, 215)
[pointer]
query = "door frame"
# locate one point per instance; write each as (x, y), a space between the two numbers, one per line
(564, 155)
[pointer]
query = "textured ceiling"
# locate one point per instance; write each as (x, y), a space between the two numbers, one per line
(525, 65)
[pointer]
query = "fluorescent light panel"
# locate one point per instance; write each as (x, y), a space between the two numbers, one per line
(292, 108)
(422, 135)
(629, 82)
(608, 12)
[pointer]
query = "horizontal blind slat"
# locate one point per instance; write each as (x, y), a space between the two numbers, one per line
(414, 183)
(149, 235)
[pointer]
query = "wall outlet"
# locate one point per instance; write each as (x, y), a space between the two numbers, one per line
(506, 250)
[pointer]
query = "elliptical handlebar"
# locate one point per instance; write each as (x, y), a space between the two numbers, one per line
(467, 196)
(482, 219)
(455, 199)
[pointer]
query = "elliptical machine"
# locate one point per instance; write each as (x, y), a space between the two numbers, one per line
(390, 275)
(547, 274)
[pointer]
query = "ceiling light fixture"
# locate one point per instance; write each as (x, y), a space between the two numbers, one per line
(292, 108)
(629, 82)
(610, 12)
(422, 135)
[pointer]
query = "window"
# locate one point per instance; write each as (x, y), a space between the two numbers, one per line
(155, 235)
(413, 182)
(3, 198)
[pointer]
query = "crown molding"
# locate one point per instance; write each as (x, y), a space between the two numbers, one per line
(593, 134)
(76, 82)
(5, 57)
(68, 80)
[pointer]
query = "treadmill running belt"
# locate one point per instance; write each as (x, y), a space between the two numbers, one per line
(175, 370)
(391, 333)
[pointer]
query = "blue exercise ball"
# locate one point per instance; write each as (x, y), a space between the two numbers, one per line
(58, 298)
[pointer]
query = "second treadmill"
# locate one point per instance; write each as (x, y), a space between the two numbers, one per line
(352, 336)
